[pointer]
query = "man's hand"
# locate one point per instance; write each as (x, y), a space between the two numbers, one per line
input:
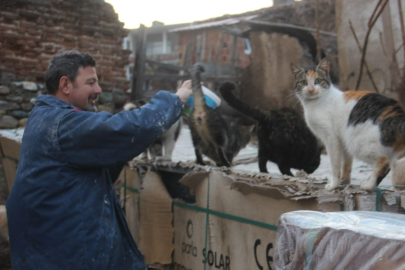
(184, 92)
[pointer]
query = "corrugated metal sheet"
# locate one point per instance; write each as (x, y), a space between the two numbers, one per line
(228, 21)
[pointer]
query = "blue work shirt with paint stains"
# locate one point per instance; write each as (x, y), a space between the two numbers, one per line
(62, 211)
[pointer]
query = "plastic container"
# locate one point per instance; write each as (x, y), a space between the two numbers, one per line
(211, 99)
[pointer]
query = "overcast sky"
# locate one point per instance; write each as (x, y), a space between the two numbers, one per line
(133, 13)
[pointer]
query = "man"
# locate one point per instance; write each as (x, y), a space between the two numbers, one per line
(62, 211)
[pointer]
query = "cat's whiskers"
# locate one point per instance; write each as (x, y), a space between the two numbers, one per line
(290, 96)
(295, 98)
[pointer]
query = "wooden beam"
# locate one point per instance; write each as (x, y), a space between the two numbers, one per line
(161, 76)
(290, 26)
(232, 31)
(234, 45)
(139, 65)
(188, 54)
(164, 65)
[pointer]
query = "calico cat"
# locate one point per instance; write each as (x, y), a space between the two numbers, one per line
(352, 124)
(165, 142)
(283, 136)
(212, 136)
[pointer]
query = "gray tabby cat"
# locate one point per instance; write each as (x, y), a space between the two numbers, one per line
(212, 135)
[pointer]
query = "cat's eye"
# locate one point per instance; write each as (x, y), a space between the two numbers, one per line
(317, 81)
(303, 82)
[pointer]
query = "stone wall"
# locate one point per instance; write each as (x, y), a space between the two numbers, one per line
(16, 101)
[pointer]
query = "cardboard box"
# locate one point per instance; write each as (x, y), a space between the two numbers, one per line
(148, 212)
(341, 240)
(127, 188)
(233, 222)
(10, 147)
(229, 227)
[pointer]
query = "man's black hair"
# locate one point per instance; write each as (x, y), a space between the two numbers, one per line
(67, 64)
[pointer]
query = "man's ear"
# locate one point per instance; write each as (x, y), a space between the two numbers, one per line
(64, 85)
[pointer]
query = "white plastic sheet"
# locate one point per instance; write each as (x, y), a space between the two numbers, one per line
(357, 240)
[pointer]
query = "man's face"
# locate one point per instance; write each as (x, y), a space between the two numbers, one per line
(85, 89)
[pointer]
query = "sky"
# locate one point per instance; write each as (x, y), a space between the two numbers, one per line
(133, 13)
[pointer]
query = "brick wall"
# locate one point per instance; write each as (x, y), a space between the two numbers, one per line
(32, 31)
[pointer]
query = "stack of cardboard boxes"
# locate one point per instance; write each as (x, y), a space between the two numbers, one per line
(194, 217)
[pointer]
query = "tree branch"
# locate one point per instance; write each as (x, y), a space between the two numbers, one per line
(382, 45)
(371, 23)
(401, 18)
(318, 39)
(365, 62)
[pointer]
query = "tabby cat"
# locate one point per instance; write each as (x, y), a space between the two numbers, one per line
(212, 136)
(352, 124)
(283, 136)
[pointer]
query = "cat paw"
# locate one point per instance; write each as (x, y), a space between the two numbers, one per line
(163, 159)
(210, 163)
(202, 163)
(331, 186)
(368, 185)
(301, 174)
(345, 180)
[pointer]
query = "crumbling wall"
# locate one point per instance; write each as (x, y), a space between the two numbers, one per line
(32, 31)
(213, 46)
(270, 83)
(303, 14)
(267, 83)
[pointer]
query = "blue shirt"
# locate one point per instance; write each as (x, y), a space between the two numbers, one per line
(62, 211)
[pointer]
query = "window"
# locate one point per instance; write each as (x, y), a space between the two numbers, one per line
(126, 43)
(128, 71)
(155, 48)
(248, 48)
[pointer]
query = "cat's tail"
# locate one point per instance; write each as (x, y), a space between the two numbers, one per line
(196, 71)
(226, 92)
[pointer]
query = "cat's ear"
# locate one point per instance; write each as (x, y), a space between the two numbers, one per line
(324, 64)
(294, 69)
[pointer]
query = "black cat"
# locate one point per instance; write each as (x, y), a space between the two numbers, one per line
(212, 136)
(282, 134)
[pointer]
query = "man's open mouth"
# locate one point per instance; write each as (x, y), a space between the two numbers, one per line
(93, 99)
